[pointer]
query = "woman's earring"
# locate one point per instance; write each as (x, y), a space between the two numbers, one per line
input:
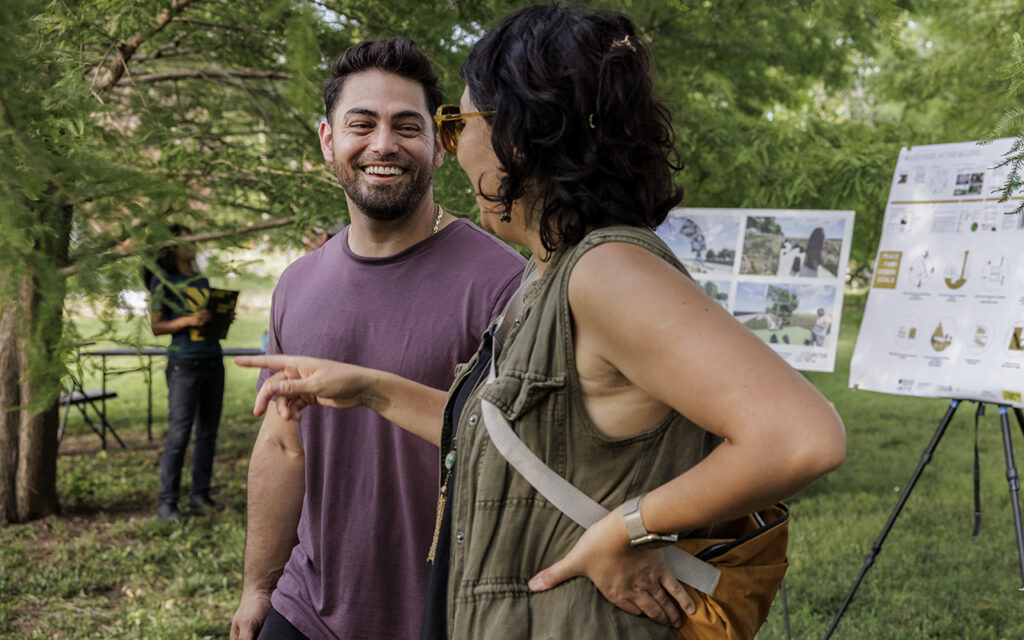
(506, 217)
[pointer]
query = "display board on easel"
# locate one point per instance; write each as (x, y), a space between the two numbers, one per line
(945, 312)
(781, 272)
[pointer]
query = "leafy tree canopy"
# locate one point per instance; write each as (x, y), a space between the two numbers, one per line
(132, 114)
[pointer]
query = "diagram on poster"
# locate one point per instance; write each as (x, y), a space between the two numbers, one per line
(945, 312)
(779, 272)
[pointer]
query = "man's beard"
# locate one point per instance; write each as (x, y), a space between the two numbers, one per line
(384, 203)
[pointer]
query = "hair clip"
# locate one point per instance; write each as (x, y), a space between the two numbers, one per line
(624, 42)
(590, 121)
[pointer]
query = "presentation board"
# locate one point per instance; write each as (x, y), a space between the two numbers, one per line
(945, 312)
(780, 272)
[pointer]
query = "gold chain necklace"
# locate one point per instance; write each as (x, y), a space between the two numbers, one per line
(437, 222)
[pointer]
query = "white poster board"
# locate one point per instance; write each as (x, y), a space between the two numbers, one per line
(945, 312)
(781, 272)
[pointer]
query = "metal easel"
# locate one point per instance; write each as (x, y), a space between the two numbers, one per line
(1011, 477)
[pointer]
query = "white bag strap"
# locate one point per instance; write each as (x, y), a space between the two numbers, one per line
(560, 492)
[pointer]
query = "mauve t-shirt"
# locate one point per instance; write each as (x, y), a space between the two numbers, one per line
(359, 568)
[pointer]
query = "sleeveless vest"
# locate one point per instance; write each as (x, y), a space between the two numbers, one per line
(503, 532)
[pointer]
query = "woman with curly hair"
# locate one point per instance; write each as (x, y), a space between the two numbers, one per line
(619, 373)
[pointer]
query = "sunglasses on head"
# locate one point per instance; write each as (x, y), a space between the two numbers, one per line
(450, 123)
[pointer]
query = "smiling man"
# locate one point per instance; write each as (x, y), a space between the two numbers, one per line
(342, 503)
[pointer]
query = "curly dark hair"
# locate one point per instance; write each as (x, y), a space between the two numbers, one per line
(167, 258)
(400, 56)
(577, 122)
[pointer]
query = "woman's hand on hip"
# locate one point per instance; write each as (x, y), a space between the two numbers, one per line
(635, 580)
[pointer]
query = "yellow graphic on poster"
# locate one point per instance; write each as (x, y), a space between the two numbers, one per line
(941, 339)
(982, 336)
(888, 269)
(1016, 339)
(956, 280)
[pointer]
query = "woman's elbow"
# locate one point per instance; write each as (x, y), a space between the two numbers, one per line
(823, 448)
(833, 452)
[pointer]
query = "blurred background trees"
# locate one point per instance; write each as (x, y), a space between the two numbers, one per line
(120, 117)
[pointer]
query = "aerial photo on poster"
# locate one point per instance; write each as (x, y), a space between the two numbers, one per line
(704, 241)
(792, 246)
(717, 290)
(793, 314)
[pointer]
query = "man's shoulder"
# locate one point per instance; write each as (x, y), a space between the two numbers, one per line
(485, 245)
(302, 266)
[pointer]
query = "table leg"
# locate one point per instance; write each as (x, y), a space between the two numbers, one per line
(149, 398)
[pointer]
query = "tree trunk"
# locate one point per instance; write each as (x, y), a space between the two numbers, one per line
(28, 440)
(30, 371)
(10, 396)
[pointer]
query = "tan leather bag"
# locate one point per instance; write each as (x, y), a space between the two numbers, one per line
(752, 559)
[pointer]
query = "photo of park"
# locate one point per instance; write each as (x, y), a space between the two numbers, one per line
(703, 240)
(968, 183)
(792, 314)
(792, 246)
(717, 290)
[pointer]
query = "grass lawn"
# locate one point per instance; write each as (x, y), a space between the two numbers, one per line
(106, 569)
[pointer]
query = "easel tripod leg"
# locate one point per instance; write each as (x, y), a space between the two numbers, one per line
(876, 548)
(1014, 481)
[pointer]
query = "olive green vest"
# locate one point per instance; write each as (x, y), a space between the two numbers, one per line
(503, 532)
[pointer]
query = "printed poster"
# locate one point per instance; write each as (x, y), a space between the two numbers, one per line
(780, 272)
(945, 311)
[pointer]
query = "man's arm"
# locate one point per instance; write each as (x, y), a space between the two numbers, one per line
(161, 327)
(277, 485)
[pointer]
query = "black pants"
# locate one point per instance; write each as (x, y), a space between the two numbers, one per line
(276, 627)
(195, 395)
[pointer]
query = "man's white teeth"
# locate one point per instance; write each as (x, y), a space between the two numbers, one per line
(384, 171)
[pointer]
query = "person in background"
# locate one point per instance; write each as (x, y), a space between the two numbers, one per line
(619, 372)
(819, 332)
(341, 504)
(195, 376)
(317, 236)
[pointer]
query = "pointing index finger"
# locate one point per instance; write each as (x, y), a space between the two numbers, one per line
(274, 362)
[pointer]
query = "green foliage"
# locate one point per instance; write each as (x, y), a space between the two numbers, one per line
(764, 224)
(783, 303)
(212, 122)
(1012, 121)
(788, 105)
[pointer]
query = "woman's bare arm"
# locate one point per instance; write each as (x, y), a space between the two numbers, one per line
(301, 381)
(684, 350)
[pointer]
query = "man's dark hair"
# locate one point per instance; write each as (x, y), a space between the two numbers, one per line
(399, 56)
(167, 259)
(576, 120)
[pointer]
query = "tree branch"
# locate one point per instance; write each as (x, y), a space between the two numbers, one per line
(184, 74)
(169, 49)
(127, 248)
(109, 75)
(227, 233)
(305, 178)
(217, 25)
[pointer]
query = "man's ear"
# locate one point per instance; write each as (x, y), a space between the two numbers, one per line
(326, 135)
(438, 150)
